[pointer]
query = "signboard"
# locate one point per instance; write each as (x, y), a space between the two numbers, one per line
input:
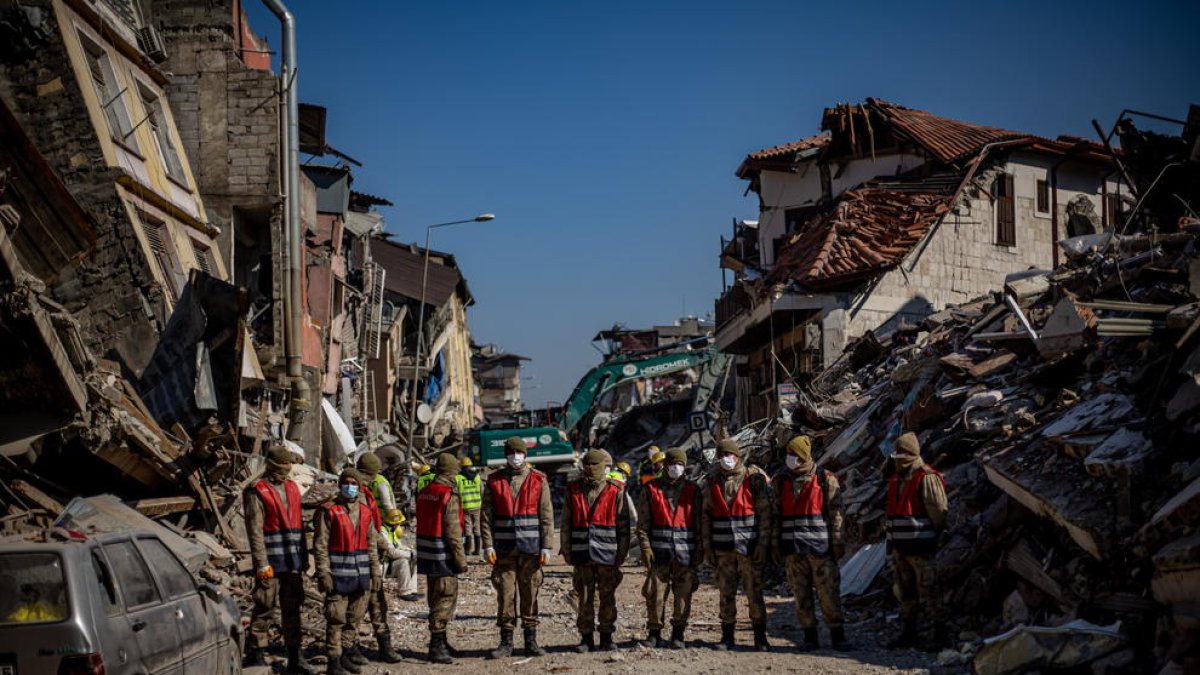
(787, 395)
(697, 422)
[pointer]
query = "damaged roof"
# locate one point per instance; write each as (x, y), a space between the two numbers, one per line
(404, 263)
(864, 231)
(944, 138)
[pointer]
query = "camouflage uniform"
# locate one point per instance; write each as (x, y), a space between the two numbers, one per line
(443, 591)
(591, 579)
(806, 572)
(285, 590)
(733, 567)
(517, 574)
(667, 577)
(343, 612)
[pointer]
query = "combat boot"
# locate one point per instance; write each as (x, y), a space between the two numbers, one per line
(296, 665)
(356, 656)
(504, 649)
(437, 649)
(653, 639)
(449, 647)
(586, 644)
(253, 657)
(348, 664)
(606, 643)
(531, 645)
(726, 643)
(940, 638)
(335, 666)
(677, 638)
(760, 638)
(838, 637)
(811, 639)
(386, 653)
(907, 638)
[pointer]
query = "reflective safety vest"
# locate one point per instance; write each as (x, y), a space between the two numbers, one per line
(910, 530)
(617, 476)
(805, 529)
(672, 531)
(515, 521)
(349, 555)
(593, 529)
(647, 472)
(469, 491)
(734, 526)
(377, 486)
(425, 479)
(283, 529)
(433, 551)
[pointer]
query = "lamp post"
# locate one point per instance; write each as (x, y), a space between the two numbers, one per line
(412, 412)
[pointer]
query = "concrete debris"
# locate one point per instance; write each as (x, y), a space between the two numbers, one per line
(1027, 648)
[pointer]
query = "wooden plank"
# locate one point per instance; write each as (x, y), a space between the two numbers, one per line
(161, 506)
(37, 496)
(986, 368)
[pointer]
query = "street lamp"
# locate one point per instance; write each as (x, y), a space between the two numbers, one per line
(412, 413)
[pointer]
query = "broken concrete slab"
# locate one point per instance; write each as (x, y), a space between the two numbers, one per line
(1124, 450)
(1105, 411)
(1066, 330)
(1177, 572)
(1028, 648)
(106, 513)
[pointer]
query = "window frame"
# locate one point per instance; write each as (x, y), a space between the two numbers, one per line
(172, 271)
(1004, 211)
(1041, 196)
(111, 97)
(160, 575)
(125, 604)
(160, 132)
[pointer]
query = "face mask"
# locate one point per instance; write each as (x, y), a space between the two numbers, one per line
(674, 471)
(607, 470)
(792, 462)
(349, 490)
(516, 460)
(729, 462)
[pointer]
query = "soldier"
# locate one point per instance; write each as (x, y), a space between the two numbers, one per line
(518, 525)
(378, 496)
(736, 523)
(594, 538)
(916, 516)
(440, 554)
(344, 540)
(470, 487)
(668, 531)
(807, 534)
(275, 527)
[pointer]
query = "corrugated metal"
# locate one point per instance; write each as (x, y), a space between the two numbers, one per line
(403, 265)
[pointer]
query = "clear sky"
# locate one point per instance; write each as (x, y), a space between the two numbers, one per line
(605, 135)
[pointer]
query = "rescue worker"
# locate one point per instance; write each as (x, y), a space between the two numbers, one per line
(916, 516)
(425, 476)
(736, 525)
(376, 492)
(275, 528)
(440, 555)
(807, 534)
(400, 560)
(668, 533)
(470, 488)
(621, 473)
(348, 571)
(518, 526)
(594, 538)
(651, 467)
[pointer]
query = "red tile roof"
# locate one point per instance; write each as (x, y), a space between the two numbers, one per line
(788, 149)
(867, 230)
(944, 138)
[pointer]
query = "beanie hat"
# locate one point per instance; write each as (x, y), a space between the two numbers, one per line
(279, 455)
(350, 472)
(730, 447)
(800, 446)
(447, 463)
(514, 444)
(676, 456)
(597, 457)
(906, 446)
(369, 463)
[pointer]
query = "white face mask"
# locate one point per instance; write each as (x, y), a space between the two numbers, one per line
(729, 462)
(607, 470)
(792, 462)
(516, 460)
(674, 471)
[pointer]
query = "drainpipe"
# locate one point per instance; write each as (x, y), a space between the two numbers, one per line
(294, 311)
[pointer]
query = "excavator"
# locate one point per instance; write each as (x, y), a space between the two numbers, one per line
(551, 445)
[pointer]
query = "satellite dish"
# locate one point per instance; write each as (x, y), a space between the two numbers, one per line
(424, 413)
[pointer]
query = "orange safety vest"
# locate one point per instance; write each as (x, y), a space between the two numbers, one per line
(433, 551)
(672, 531)
(349, 554)
(804, 526)
(910, 530)
(734, 526)
(515, 521)
(594, 529)
(283, 528)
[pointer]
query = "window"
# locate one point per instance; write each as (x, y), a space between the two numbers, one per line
(108, 591)
(176, 580)
(35, 590)
(1006, 221)
(159, 239)
(1043, 197)
(204, 258)
(1112, 209)
(156, 118)
(132, 574)
(112, 97)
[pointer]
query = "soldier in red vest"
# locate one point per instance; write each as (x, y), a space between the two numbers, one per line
(916, 516)
(275, 528)
(668, 532)
(347, 558)
(594, 538)
(807, 534)
(440, 554)
(736, 525)
(517, 526)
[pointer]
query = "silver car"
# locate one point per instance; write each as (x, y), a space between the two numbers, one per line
(111, 603)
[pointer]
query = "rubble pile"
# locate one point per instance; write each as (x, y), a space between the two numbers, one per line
(1064, 413)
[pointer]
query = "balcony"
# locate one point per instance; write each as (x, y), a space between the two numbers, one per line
(733, 302)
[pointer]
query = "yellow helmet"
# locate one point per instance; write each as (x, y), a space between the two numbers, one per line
(393, 517)
(658, 457)
(624, 468)
(465, 462)
(425, 468)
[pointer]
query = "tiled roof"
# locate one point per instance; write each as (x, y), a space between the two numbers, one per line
(944, 138)
(867, 230)
(788, 149)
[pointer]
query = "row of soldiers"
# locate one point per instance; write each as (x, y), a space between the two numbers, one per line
(734, 520)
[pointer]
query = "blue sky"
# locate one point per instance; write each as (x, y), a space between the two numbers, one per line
(605, 135)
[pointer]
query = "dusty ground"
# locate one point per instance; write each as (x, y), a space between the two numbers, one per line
(474, 633)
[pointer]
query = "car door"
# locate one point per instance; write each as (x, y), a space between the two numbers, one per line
(199, 634)
(151, 617)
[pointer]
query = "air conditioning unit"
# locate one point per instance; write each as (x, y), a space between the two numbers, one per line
(151, 43)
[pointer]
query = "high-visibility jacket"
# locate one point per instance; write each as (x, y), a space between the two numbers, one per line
(283, 528)
(804, 524)
(433, 551)
(672, 531)
(910, 530)
(425, 479)
(646, 471)
(594, 528)
(349, 554)
(617, 476)
(470, 491)
(734, 526)
(515, 520)
(381, 490)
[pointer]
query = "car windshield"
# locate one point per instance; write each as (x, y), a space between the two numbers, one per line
(41, 588)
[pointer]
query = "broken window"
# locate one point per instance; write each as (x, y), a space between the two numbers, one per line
(1043, 197)
(204, 258)
(1112, 209)
(111, 95)
(1006, 220)
(159, 240)
(156, 118)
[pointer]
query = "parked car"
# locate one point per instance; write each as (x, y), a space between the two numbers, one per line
(109, 604)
